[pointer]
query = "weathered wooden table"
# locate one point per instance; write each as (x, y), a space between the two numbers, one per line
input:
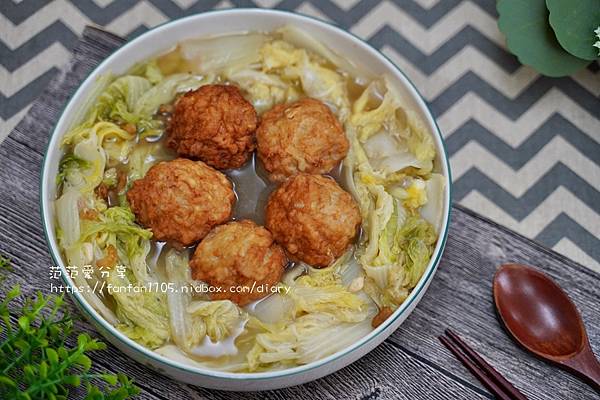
(411, 364)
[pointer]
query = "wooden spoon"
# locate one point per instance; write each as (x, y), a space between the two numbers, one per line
(541, 317)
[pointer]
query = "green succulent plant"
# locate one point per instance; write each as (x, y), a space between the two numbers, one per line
(555, 37)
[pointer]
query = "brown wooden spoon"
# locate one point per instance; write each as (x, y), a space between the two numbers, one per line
(541, 317)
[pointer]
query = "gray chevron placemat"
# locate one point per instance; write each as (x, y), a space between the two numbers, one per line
(525, 149)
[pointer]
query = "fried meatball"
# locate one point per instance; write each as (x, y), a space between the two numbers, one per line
(313, 218)
(214, 124)
(181, 200)
(241, 259)
(303, 136)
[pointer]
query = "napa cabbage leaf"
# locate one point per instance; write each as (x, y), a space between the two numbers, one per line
(117, 102)
(394, 138)
(215, 54)
(218, 318)
(309, 338)
(412, 192)
(70, 167)
(79, 256)
(369, 120)
(67, 215)
(140, 308)
(326, 290)
(403, 254)
(123, 107)
(433, 209)
(302, 39)
(191, 321)
(418, 139)
(115, 220)
(389, 169)
(91, 170)
(274, 308)
(186, 332)
(327, 294)
(389, 155)
(164, 92)
(175, 353)
(317, 80)
(279, 54)
(143, 314)
(142, 158)
(263, 90)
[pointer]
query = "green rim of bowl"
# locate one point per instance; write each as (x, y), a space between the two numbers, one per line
(268, 375)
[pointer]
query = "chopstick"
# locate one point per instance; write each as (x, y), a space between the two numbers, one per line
(487, 375)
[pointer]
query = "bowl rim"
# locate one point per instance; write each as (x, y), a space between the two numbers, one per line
(415, 295)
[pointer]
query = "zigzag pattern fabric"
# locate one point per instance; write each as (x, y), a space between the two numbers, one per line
(525, 149)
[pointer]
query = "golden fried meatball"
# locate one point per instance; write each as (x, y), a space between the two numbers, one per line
(181, 200)
(313, 218)
(214, 124)
(241, 259)
(303, 136)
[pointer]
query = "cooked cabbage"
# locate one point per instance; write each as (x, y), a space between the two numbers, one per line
(191, 320)
(433, 210)
(79, 256)
(309, 338)
(416, 239)
(152, 72)
(263, 90)
(316, 80)
(140, 314)
(219, 317)
(115, 220)
(323, 84)
(67, 216)
(274, 308)
(143, 314)
(389, 167)
(140, 307)
(186, 333)
(94, 156)
(142, 158)
(303, 39)
(165, 91)
(174, 353)
(279, 54)
(369, 120)
(418, 139)
(414, 195)
(313, 295)
(403, 254)
(387, 155)
(377, 217)
(394, 138)
(218, 53)
(117, 102)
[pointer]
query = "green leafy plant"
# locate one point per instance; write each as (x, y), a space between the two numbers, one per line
(38, 359)
(5, 266)
(530, 37)
(573, 22)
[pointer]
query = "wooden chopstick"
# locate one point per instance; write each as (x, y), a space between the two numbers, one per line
(483, 378)
(495, 375)
(486, 374)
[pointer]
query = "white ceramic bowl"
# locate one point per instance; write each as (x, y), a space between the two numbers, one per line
(218, 22)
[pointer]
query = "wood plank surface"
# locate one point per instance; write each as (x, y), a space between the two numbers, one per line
(411, 364)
